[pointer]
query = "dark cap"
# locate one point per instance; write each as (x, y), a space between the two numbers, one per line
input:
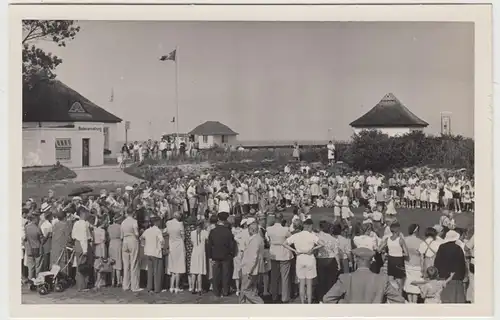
(222, 216)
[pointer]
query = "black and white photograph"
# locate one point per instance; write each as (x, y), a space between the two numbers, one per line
(248, 162)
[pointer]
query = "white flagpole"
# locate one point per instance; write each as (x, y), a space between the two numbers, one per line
(177, 93)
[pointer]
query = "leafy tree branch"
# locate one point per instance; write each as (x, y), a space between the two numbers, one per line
(37, 62)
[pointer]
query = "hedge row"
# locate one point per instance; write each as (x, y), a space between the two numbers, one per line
(372, 150)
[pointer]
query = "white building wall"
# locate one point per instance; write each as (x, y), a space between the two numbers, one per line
(114, 136)
(215, 140)
(39, 143)
(391, 132)
(205, 145)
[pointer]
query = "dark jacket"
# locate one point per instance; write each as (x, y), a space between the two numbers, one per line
(220, 244)
(450, 258)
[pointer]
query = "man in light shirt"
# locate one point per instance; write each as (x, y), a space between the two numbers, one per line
(153, 245)
(82, 236)
(281, 259)
(46, 227)
(130, 252)
(252, 260)
(305, 242)
(163, 148)
(136, 151)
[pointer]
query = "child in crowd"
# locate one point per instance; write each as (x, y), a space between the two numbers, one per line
(424, 197)
(391, 207)
(337, 209)
(99, 236)
(434, 197)
(467, 198)
(411, 197)
(346, 210)
(431, 287)
(418, 193)
(405, 203)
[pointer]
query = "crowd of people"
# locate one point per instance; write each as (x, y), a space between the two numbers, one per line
(233, 234)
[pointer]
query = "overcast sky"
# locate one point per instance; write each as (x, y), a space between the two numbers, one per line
(272, 80)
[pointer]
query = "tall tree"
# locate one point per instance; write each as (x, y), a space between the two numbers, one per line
(36, 61)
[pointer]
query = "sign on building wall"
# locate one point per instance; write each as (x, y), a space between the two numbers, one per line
(85, 128)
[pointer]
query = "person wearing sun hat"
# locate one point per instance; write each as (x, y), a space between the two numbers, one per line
(450, 258)
(363, 286)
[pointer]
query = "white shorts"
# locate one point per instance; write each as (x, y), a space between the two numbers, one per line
(306, 266)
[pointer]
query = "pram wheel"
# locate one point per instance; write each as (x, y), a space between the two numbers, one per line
(59, 287)
(32, 287)
(43, 289)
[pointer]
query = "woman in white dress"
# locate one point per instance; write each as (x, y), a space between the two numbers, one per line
(315, 190)
(391, 208)
(241, 236)
(331, 152)
(177, 255)
(198, 265)
(223, 198)
(413, 265)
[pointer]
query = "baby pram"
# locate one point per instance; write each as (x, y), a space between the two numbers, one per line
(57, 279)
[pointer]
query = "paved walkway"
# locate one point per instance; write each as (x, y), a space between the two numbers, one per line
(103, 173)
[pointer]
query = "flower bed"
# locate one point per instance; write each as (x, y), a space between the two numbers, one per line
(45, 174)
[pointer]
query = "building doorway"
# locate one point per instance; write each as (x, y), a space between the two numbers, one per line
(85, 152)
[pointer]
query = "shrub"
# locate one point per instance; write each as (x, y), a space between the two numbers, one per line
(372, 150)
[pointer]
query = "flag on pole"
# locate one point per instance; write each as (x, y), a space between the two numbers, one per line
(112, 97)
(173, 120)
(170, 56)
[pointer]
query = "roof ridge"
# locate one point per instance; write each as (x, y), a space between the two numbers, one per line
(389, 112)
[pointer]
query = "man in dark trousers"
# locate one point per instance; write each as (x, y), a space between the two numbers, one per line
(221, 249)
